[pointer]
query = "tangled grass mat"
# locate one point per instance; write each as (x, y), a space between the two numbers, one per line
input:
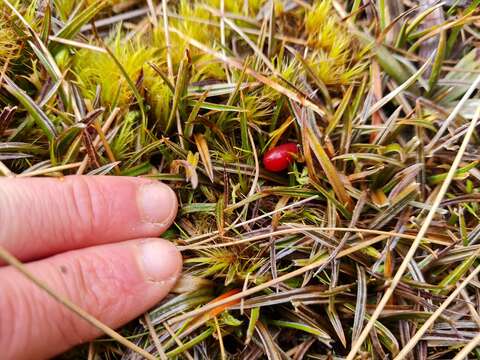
(363, 241)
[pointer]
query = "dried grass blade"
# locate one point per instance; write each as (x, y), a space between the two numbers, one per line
(250, 43)
(154, 336)
(328, 168)
(50, 170)
(104, 169)
(336, 323)
(360, 307)
(202, 147)
(418, 20)
(444, 27)
(111, 118)
(166, 30)
(399, 202)
(269, 345)
(90, 148)
(468, 348)
(50, 65)
(14, 156)
(6, 171)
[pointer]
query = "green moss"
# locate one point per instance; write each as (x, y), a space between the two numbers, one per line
(193, 21)
(125, 136)
(250, 7)
(159, 97)
(65, 8)
(9, 41)
(99, 69)
(95, 68)
(334, 49)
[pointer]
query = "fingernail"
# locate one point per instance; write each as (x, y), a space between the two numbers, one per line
(157, 203)
(161, 261)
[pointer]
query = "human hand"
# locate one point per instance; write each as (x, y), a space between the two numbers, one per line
(76, 235)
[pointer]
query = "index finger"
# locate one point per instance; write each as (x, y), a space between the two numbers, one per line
(44, 216)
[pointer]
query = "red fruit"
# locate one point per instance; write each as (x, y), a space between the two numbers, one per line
(280, 157)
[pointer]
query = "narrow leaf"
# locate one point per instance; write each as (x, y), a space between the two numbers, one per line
(33, 109)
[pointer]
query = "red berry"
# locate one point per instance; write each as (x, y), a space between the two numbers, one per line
(280, 157)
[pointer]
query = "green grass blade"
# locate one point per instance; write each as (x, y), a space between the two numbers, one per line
(33, 109)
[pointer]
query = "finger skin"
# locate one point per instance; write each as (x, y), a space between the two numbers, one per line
(107, 281)
(40, 217)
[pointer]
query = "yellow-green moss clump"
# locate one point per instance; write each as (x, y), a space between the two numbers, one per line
(9, 41)
(334, 51)
(248, 8)
(198, 23)
(65, 8)
(96, 68)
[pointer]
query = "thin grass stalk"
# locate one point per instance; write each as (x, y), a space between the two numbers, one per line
(409, 82)
(154, 336)
(153, 13)
(471, 308)
(254, 47)
(91, 351)
(50, 170)
(166, 31)
(223, 355)
(108, 123)
(177, 340)
(250, 221)
(108, 149)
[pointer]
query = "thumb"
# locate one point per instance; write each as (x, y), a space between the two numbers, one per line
(114, 283)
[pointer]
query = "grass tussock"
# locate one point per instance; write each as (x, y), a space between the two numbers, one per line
(350, 253)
